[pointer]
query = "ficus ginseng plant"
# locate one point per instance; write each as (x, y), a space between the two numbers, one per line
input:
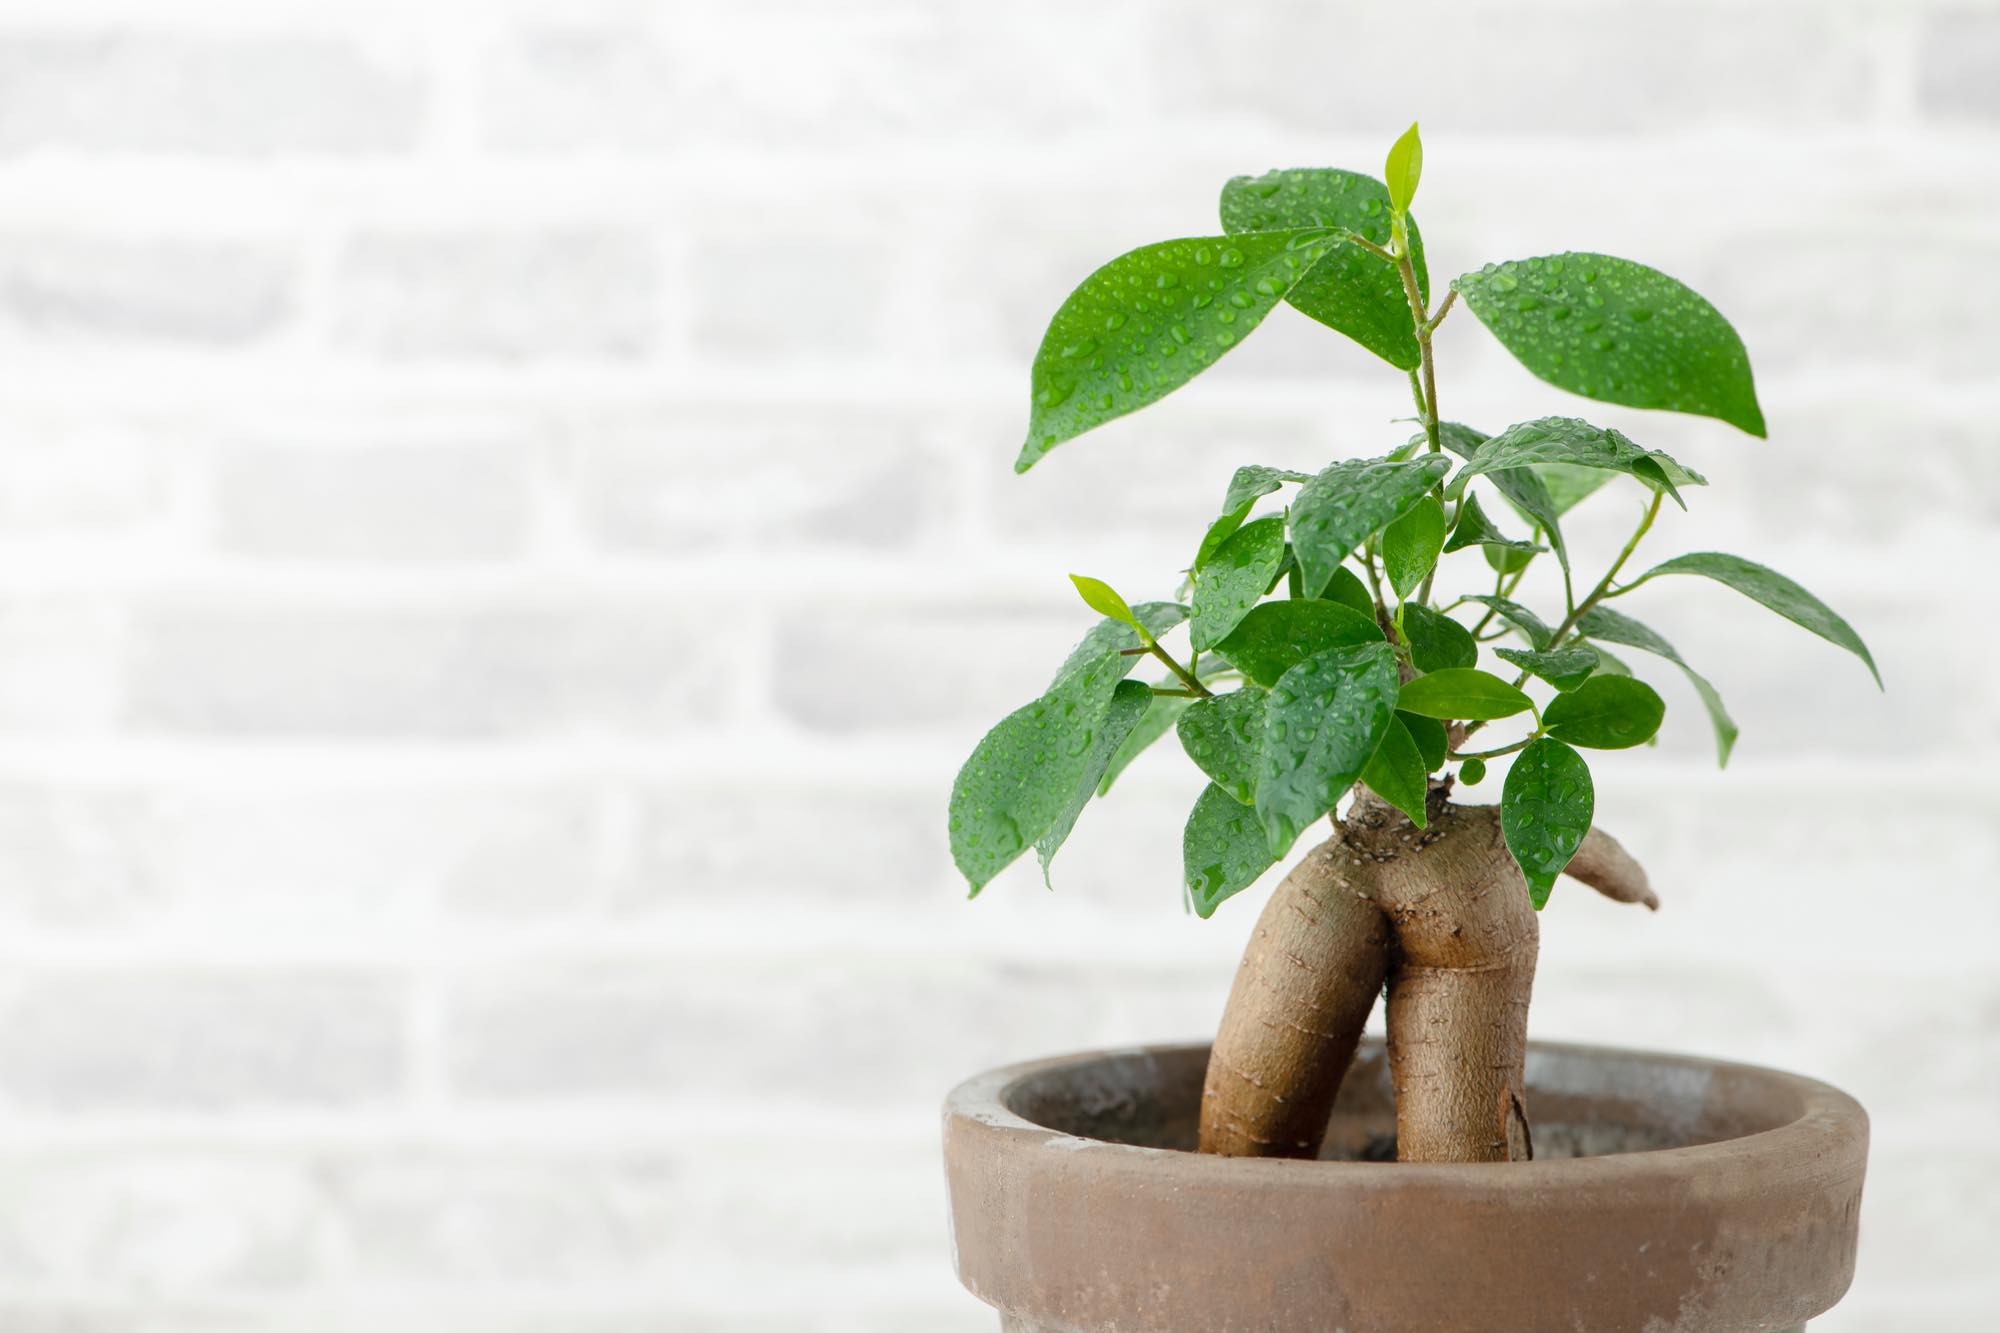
(1320, 659)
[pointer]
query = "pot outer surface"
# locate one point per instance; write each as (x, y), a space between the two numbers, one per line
(1668, 1195)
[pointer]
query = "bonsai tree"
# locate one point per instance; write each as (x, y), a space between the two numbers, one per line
(1321, 656)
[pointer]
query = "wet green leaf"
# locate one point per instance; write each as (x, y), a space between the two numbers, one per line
(1234, 578)
(1605, 713)
(1338, 509)
(1222, 850)
(1437, 642)
(1565, 668)
(1462, 694)
(1254, 481)
(1602, 623)
(1350, 291)
(1618, 332)
(1569, 440)
(1325, 718)
(1521, 486)
(1157, 721)
(1225, 738)
(1570, 484)
(1429, 734)
(1531, 626)
(1473, 528)
(1545, 811)
(1277, 636)
(1397, 773)
(1773, 590)
(1346, 588)
(1151, 320)
(1411, 544)
(1108, 640)
(1129, 702)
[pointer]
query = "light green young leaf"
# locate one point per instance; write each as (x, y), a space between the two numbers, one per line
(1350, 291)
(1618, 332)
(1532, 627)
(1397, 772)
(1569, 440)
(1222, 850)
(1234, 578)
(1411, 544)
(1338, 509)
(1404, 169)
(1157, 721)
(1605, 713)
(1602, 623)
(1277, 636)
(1773, 590)
(1150, 321)
(1545, 810)
(1462, 694)
(1102, 598)
(1565, 668)
(1437, 642)
(1225, 738)
(1129, 702)
(1324, 720)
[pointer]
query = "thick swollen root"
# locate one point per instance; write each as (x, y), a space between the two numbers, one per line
(1309, 976)
(1607, 867)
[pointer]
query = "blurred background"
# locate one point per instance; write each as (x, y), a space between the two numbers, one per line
(506, 534)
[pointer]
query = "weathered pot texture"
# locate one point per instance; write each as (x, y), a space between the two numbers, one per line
(1668, 1195)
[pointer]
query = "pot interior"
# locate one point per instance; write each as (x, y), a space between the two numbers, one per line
(1581, 1102)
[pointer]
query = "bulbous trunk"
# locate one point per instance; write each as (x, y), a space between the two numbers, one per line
(1443, 915)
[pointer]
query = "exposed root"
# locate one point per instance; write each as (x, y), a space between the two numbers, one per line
(1607, 867)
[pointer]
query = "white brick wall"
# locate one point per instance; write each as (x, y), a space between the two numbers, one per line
(506, 533)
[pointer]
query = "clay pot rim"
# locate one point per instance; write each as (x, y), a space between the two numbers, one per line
(1827, 1117)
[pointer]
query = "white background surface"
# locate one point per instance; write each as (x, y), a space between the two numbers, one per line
(506, 534)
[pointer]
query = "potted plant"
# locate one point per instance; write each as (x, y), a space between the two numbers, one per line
(1324, 662)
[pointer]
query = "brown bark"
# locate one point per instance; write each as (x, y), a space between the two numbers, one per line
(1443, 913)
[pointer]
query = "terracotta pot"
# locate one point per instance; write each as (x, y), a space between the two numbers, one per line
(1668, 1195)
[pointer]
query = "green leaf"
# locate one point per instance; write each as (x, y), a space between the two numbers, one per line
(1618, 332)
(1437, 642)
(1350, 291)
(1404, 169)
(1024, 773)
(1129, 702)
(1338, 509)
(1462, 694)
(1472, 772)
(1429, 734)
(1569, 440)
(1277, 636)
(1532, 627)
(1473, 528)
(1254, 481)
(1102, 598)
(1411, 544)
(1602, 623)
(1150, 321)
(1222, 850)
(1234, 578)
(1225, 738)
(1157, 722)
(1773, 590)
(1565, 668)
(1525, 490)
(1346, 588)
(1605, 713)
(1108, 639)
(1545, 810)
(1397, 772)
(1321, 726)
(1571, 484)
